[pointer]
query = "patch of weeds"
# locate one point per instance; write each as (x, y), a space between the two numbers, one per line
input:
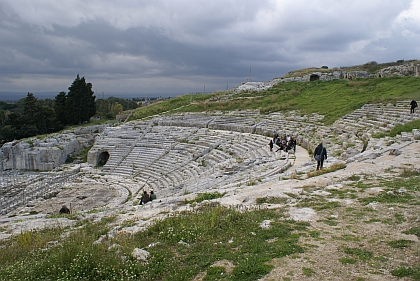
(362, 254)
(388, 221)
(413, 272)
(347, 260)
(183, 141)
(372, 220)
(402, 243)
(347, 237)
(361, 185)
(205, 196)
(95, 210)
(414, 230)
(216, 273)
(127, 223)
(329, 221)
(207, 232)
(409, 173)
(72, 216)
(353, 178)
(251, 183)
(309, 188)
(292, 195)
(388, 198)
(342, 193)
(308, 271)
(271, 200)
(328, 205)
(399, 218)
(332, 168)
(314, 234)
(312, 202)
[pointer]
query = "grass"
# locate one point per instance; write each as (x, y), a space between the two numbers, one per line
(308, 98)
(332, 168)
(208, 235)
(271, 200)
(399, 128)
(361, 254)
(402, 243)
(205, 196)
(413, 272)
(414, 230)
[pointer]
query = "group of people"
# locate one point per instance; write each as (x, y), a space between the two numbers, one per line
(146, 197)
(286, 143)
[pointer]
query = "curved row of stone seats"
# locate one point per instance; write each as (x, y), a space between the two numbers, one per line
(232, 123)
(176, 166)
(197, 120)
(377, 117)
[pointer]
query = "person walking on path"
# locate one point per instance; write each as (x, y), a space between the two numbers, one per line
(320, 154)
(413, 105)
(271, 144)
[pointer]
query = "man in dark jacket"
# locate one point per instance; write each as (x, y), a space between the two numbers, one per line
(144, 198)
(413, 105)
(320, 154)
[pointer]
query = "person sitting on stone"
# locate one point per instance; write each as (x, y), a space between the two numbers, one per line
(152, 195)
(64, 210)
(144, 198)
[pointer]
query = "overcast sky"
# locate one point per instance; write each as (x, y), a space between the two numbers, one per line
(186, 46)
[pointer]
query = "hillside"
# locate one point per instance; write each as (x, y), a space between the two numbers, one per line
(332, 99)
(227, 207)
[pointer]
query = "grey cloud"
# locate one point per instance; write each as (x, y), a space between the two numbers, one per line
(180, 45)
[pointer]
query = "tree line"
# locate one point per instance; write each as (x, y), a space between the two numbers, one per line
(31, 116)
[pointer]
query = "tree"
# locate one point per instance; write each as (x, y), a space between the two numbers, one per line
(60, 107)
(80, 102)
(116, 108)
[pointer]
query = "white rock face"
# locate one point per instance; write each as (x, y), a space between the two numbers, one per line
(47, 154)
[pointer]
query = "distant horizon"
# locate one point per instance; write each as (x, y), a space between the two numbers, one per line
(15, 96)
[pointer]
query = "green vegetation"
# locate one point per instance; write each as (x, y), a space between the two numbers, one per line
(205, 196)
(271, 200)
(308, 271)
(402, 243)
(414, 230)
(82, 156)
(413, 272)
(343, 97)
(180, 247)
(361, 254)
(399, 128)
(330, 169)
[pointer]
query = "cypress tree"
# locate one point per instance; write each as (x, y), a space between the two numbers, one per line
(80, 102)
(60, 107)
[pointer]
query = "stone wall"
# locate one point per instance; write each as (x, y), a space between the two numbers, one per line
(401, 70)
